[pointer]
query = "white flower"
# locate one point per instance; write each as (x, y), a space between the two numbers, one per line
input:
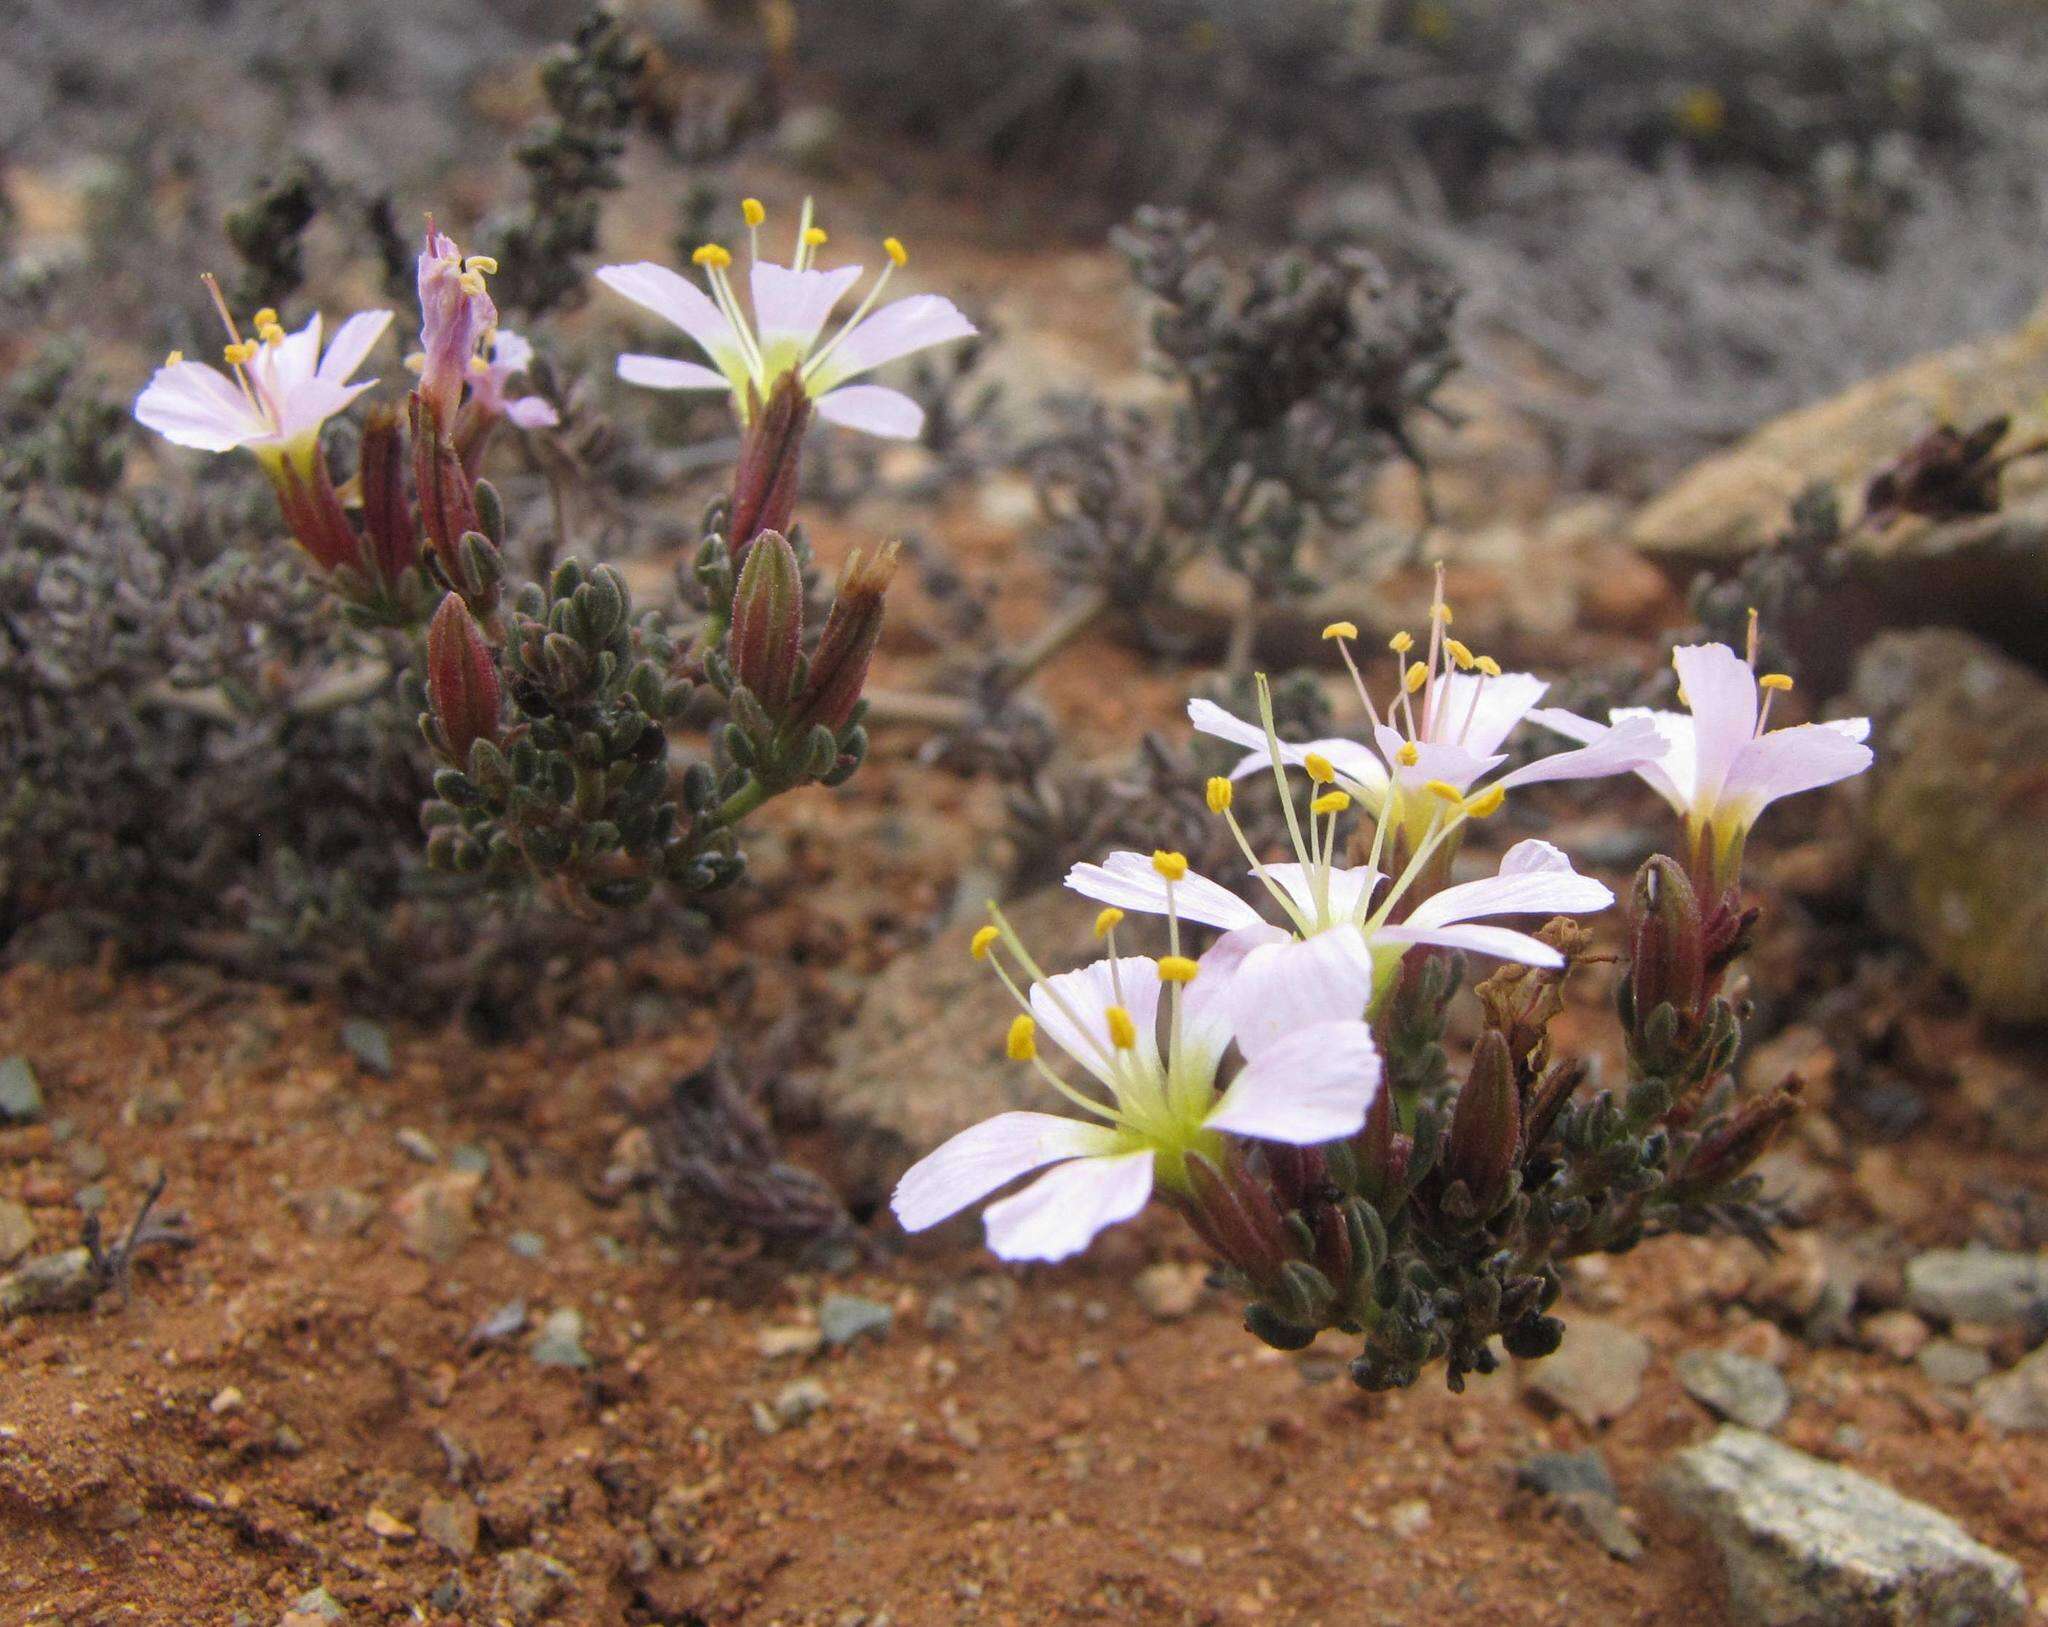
(1720, 768)
(283, 388)
(1307, 1082)
(490, 380)
(791, 305)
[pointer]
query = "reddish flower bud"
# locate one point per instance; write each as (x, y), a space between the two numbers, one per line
(839, 665)
(387, 514)
(1667, 943)
(764, 482)
(1486, 1125)
(1381, 1164)
(462, 680)
(768, 622)
(447, 495)
(312, 508)
(1725, 1152)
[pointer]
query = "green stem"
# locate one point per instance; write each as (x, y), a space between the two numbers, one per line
(741, 803)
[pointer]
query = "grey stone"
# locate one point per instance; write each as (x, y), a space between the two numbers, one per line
(369, 1043)
(1579, 1484)
(843, 1318)
(531, 1583)
(1961, 860)
(450, 1523)
(21, 1098)
(1952, 1365)
(559, 1341)
(1595, 1375)
(52, 1282)
(417, 1144)
(1169, 1291)
(320, 1604)
(1739, 1388)
(794, 1403)
(527, 1245)
(17, 1231)
(334, 1211)
(1987, 1286)
(2017, 1402)
(1807, 1544)
(500, 1323)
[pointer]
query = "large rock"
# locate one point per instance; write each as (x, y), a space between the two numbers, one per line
(1958, 811)
(923, 1058)
(1732, 504)
(1806, 1544)
(1993, 1287)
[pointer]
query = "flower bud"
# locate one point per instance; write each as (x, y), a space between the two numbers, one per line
(312, 509)
(387, 514)
(1486, 1125)
(1667, 947)
(764, 482)
(455, 314)
(767, 622)
(1727, 1150)
(839, 665)
(447, 499)
(462, 680)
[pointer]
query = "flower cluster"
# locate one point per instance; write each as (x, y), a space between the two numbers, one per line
(549, 704)
(1288, 1090)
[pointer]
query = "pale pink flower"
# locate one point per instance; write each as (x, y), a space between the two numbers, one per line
(490, 376)
(790, 308)
(456, 315)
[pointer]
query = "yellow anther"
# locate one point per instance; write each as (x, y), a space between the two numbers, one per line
(1319, 768)
(174, 359)
(898, 254)
(1415, 677)
(236, 354)
(1341, 629)
(714, 255)
(1330, 802)
(263, 318)
(1123, 1033)
(481, 262)
(477, 365)
(1409, 754)
(1401, 643)
(271, 333)
(1488, 665)
(983, 940)
(1022, 1043)
(471, 283)
(1173, 866)
(1487, 803)
(1779, 681)
(1461, 654)
(1442, 612)
(1445, 790)
(1221, 793)
(752, 212)
(1176, 969)
(815, 238)
(1107, 921)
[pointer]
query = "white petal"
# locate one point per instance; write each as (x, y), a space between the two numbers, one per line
(1072, 1008)
(1669, 775)
(1500, 941)
(1434, 760)
(874, 409)
(1353, 761)
(790, 307)
(191, 404)
(1350, 888)
(1501, 703)
(510, 351)
(1626, 748)
(1313, 1085)
(1059, 1213)
(1127, 880)
(1788, 761)
(311, 402)
(1283, 987)
(1529, 883)
(1209, 718)
(352, 342)
(1720, 692)
(898, 329)
(678, 300)
(988, 1155)
(662, 373)
(1205, 1014)
(532, 412)
(1849, 728)
(292, 360)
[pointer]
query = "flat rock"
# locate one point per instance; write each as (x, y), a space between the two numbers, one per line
(21, 1097)
(65, 1281)
(1993, 1287)
(1736, 1387)
(437, 1216)
(2017, 1402)
(1579, 1484)
(1595, 1375)
(923, 1057)
(17, 1231)
(1957, 811)
(450, 1523)
(843, 1318)
(1807, 1544)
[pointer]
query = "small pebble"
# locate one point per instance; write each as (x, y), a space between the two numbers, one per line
(418, 1144)
(369, 1043)
(843, 1318)
(559, 1343)
(21, 1097)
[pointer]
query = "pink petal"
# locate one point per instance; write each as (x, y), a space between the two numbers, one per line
(1627, 747)
(791, 306)
(1434, 760)
(1297, 984)
(311, 402)
(1502, 942)
(1352, 761)
(1312, 1085)
(295, 358)
(1670, 776)
(873, 409)
(352, 342)
(1127, 880)
(532, 412)
(1720, 692)
(1072, 1011)
(1350, 887)
(663, 373)
(1059, 1213)
(1534, 879)
(986, 1156)
(510, 351)
(678, 300)
(1502, 703)
(900, 329)
(1788, 761)
(1205, 1020)
(191, 404)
